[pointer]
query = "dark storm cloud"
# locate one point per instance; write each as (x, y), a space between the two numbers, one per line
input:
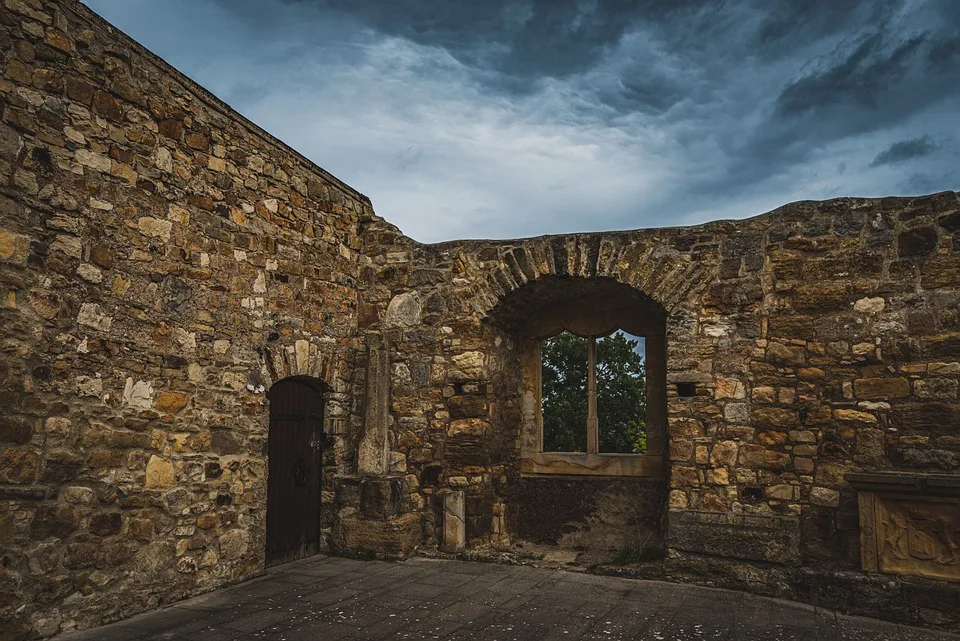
(880, 74)
(905, 150)
(527, 39)
(514, 117)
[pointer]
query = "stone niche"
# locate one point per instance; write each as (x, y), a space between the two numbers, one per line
(909, 523)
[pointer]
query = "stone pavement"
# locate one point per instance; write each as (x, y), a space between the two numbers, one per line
(334, 599)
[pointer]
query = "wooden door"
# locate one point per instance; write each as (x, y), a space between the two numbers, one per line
(295, 474)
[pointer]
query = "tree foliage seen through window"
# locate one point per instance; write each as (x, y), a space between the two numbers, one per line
(621, 394)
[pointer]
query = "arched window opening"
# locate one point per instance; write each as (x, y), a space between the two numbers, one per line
(593, 357)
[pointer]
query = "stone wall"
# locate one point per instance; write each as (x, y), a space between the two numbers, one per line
(810, 342)
(162, 262)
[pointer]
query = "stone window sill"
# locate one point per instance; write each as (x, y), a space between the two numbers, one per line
(580, 464)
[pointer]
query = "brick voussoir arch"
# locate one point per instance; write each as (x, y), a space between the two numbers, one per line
(301, 358)
(667, 276)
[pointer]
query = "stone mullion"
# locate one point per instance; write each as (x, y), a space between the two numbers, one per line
(593, 431)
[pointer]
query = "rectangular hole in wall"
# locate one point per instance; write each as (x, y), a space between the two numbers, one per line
(686, 390)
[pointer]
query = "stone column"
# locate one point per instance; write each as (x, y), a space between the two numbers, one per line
(373, 455)
(371, 505)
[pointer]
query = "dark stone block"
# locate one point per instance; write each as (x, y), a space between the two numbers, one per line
(817, 226)
(380, 497)
(467, 407)
(106, 523)
(950, 222)
(601, 513)
(467, 450)
(927, 205)
(945, 346)
(929, 417)
(176, 294)
(14, 429)
(901, 350)
(730, 268)
(774, 539)
(347, 491)
(848, 223)
(479, 515)
(917, 242)
(735, 296)
(225, 442)
(61, 470)
(559, 247)
(58, 521)
(420, 374)
(741, 244)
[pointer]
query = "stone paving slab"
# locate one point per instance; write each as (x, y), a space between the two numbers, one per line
(333, 599)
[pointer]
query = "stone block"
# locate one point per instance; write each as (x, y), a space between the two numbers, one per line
(468, 428)
(917, 242)
(392, 538)
(686, 427)
(381, 497)
(454, 523)
(881, 388)
(160, 473)
(468, 366)
(757, 456)
(13, 247)
(170, 402)
(404, 310)
(467, 407)
(775, 417)
(773, 539)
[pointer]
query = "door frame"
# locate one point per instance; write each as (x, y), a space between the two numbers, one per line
(320, 388)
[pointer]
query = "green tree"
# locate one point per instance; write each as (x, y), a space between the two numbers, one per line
(621, 394)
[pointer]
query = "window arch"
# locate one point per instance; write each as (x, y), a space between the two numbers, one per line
(583, 315)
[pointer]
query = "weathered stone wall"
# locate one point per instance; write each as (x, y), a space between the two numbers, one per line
(162, 262)
(819, 339)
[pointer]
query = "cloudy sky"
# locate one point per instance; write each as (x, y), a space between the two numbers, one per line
(505, 118)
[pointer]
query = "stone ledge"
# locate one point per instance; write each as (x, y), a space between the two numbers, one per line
(906, 483)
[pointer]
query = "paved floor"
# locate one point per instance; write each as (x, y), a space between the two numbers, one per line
(332, 599)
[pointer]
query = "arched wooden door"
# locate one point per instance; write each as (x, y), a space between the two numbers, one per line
(295, 474)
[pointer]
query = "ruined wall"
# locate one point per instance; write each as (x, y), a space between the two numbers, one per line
(819, 339)
(162, 262)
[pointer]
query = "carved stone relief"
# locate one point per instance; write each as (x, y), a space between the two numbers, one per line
(919, 537)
